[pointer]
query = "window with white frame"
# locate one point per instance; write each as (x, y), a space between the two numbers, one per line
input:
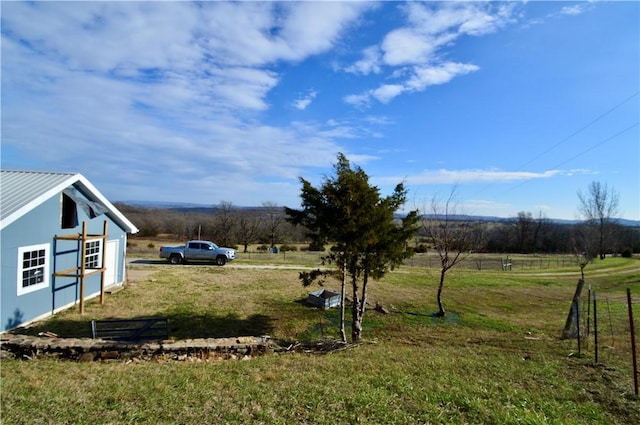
(93, 254)
(33, 268)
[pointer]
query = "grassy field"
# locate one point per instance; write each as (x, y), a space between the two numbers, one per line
(495, 359)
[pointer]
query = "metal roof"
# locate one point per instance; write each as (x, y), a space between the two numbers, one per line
(22, 191)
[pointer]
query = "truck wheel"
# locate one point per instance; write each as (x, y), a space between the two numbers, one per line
(175, 259)
(221, 260)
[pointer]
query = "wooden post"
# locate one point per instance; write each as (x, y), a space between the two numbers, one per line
(83, 266)
(633, 343)
(595, 326)
(104, 260)
(572, 318)
(343, 335)
(577, 305)
(588, 311)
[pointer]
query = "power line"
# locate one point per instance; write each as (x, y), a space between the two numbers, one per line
(598, 144)
(590, 123)
(581, 153)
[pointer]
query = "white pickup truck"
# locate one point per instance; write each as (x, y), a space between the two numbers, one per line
(198, 251)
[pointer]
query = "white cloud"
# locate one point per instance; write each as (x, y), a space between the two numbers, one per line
(370, 62)
(424, 77)
(358, 100)
(304, 101)
(452, 177)
(258, 33)
(420, 79)
(242, 87)
(216, 51)
(407, 46)
(580, 171)
(576, 9)
(131, 89)
(413, 53)
(387, 92)
(444, 176)
(313, 27)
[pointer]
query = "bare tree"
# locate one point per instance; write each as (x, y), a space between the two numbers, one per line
(598, 206)
(584, 245)
(453, 239)
(225, 219)
(540, 231)
(523, 224)
(273, 219)
(178, 225)
(248, 225)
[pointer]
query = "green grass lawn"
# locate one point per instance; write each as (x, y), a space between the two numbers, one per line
(495, 359)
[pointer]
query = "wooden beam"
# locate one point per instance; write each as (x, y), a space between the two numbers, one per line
(104, 260)
(78, 236)
(82, 265)
(73, 237)
(81, 271)
(75, 272)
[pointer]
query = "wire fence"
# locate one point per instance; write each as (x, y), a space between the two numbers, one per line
(479, 262)
(598, 325)
(601, 324)
(498, 262)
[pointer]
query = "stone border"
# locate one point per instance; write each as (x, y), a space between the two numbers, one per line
(86, 349)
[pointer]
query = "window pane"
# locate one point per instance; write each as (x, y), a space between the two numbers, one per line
(33, 268)
(92, 254)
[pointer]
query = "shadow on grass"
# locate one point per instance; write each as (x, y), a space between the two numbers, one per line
(181, 326)
(435, 318)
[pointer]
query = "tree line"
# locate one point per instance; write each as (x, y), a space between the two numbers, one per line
(228, 225)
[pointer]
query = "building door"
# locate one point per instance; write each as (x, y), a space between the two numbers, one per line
(111, 272)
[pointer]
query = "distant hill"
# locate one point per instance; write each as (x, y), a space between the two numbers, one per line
(208, 209)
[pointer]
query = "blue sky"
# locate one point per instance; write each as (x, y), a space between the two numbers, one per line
(519, 105)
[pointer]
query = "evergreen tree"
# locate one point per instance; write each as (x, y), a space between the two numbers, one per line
(366, 239)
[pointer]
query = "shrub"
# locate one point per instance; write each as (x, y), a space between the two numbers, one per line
(627, 252)
(316, 246)
(151, 246)
(421, 248)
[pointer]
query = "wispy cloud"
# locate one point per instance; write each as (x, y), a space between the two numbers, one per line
(576, 9)
(304, 101)
(444, 176)
(208, 94)
(166, 86)
(564, 11)
(370, 62)
(413, 53)
(452, 177)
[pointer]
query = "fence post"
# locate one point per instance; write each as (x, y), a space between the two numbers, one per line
(588, 310)
(595, 326)
(573, 319)
(577, 306)
(633, 343)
